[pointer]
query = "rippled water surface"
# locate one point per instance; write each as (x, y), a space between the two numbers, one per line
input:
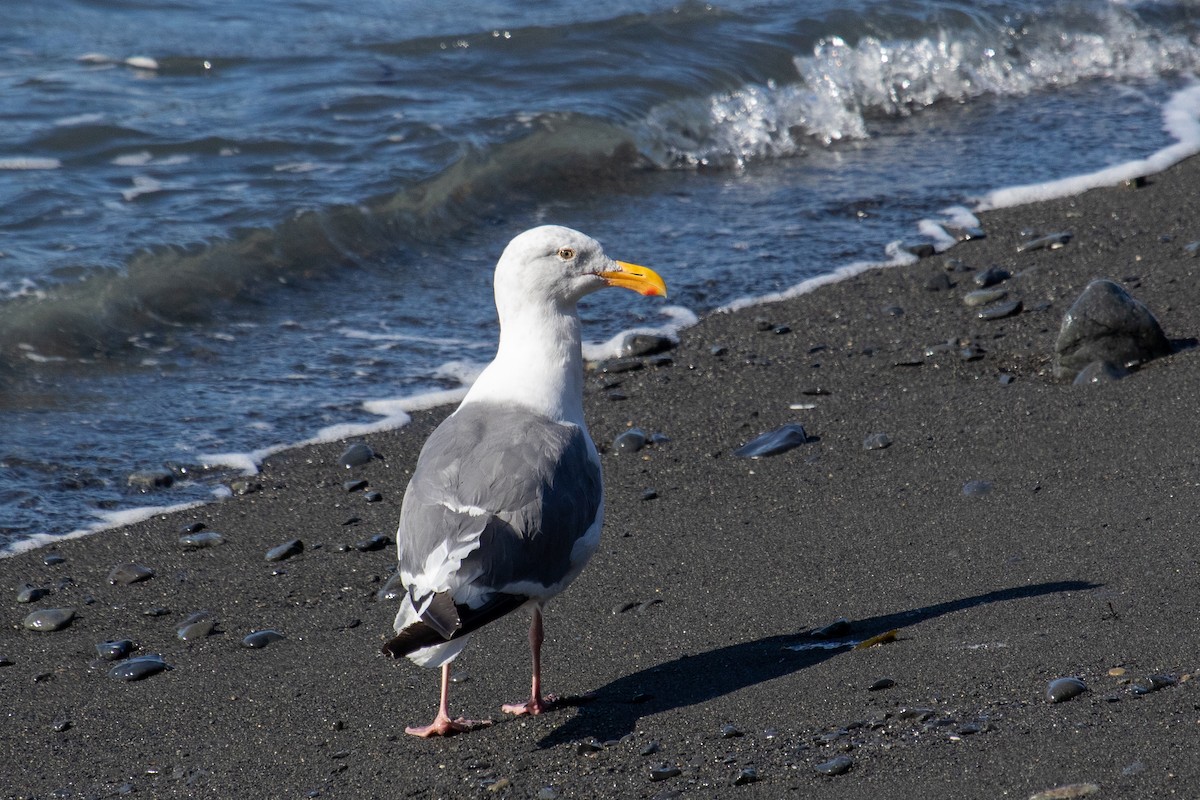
(227, 227)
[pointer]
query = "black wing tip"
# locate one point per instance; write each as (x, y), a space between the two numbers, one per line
(410, 640)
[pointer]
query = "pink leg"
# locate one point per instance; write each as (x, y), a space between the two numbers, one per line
(442, 725)
(536, 703)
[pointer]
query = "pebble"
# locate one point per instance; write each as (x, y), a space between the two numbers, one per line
(877, 441)
(376, 542)
(147, 480)
(49, 619)
(1006, 379)
(60, 725)
(616, 366)
(588, 746)
(114, 650)
(201, 539)
(356, 455)
(730, 732)
(128, 574)
(193, 527)
(649, 494)
(5, 661)
(650, 748)
(981, 297)
(773, 442)
(242, 487)
(354, 486)
(1067, 792)
(835, 766)
(1192, 249)
(645, 344)
(547, 793)
(1000, 311)
(285, 550)
(971, 353)
(1051, 241)
(260, 639)
(1062, 689)
(373, 497)
(135, 669)
(664, 772)
(1151, 683)
(991, 276)
(199, 629)
(1106, 323)
(747, 775)
(629, 441)
(31, 594)
(881, 684)
(53, 560)
(938, 282)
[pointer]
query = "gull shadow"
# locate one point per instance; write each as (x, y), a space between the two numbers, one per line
(616, 708)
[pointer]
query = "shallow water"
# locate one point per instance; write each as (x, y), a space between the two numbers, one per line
(227, 228)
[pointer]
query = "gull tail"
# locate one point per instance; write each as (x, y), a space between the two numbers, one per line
(445, 620)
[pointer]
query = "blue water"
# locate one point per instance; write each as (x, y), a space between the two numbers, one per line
(226, 226)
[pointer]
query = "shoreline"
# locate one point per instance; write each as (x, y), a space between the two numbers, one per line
(1078, 560)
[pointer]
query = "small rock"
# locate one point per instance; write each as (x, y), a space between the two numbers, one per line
(730, 732)
(1062, 689)
(763, 324)
(1000, 311)
(921, 249)
(373, 497)
(1068, 792)
(286, 550)
(1100, 372)
(53, 560)
(31, 594)
(1151, 683)
(149, 480)
(1107, 324)
(938, 282)
(835, 630)
(61, 725)
(780, 330)
(773, 442)
(49, 619)
(201, 540)
(616, 366)
(376, 542)
(881, 684)
(982, 297)
(135, 669)
(193, 527)
(355, 486)
(991, 276)
(196, 630)
(629, 441)
(645, 344)
(649, 494)
(1051, 241)
(260, 639)
(977, 488)
(1006, 379)
(242, 487)
(747, 775)
(1192, 249)
(664, 772)
(835, 766)
(877, 441)
(971, 353)
(356, 455)
(128, 574)
(114, 650)
(588, 746)
(650, 748)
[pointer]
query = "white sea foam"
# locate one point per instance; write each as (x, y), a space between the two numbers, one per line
(21, 163)
(108, 521)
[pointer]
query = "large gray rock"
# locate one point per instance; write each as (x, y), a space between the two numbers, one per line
(1107, 324)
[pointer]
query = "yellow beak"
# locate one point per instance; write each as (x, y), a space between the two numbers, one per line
(642, 280)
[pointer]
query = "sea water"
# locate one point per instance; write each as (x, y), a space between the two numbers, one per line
(229, 227)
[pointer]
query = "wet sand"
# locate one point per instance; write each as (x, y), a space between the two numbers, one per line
(1080, 560)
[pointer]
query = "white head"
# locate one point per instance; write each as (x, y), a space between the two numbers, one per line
(558, 266)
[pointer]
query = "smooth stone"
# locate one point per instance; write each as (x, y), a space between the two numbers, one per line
(135, 669)
(835, 630)
(977, 488)
(196, 630)
(835, 766)
(981, 297)
(1106, 323)
(31, 594)
(356, 455)
(127, 574)
(373, 497)
(260, 639)
(49, 619)
(991, 276)
(1067, 792)
(148, 480)
(881, 684)
(60, 725)
(730, 732)
(53, 560)
(630, 441)
(376, 542)
(649, 494)
(938, 282)
(588, 746)
(650, 748)
(1100, 372)
(114, 650)
(773, 443)
(242, 487)
(966, 234)
(286, 550)
(201, 539)
(1000, 311)
(1006, 379)
(5, 661)
(1151, 683)
(1051, 241)
(1062, 689)
(877, 441)
(921, 249)
(747, 775)
(1192, 249)
(193, 527)
(970, 353)
(157, 611)
(645, 344)
(547, 793)
(664, 771)
(615, 366)
(781, 329)
(355, 486)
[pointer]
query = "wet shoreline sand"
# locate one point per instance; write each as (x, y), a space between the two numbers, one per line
(1079, 559)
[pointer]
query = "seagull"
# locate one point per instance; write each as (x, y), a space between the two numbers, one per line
(506, 503)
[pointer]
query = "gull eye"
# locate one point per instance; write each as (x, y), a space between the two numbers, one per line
(566, 253)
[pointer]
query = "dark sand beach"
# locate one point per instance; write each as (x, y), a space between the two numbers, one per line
(1076, 556)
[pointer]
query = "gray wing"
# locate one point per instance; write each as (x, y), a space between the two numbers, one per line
(505, 492)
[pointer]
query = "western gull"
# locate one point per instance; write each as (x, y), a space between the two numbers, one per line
(505, 506)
